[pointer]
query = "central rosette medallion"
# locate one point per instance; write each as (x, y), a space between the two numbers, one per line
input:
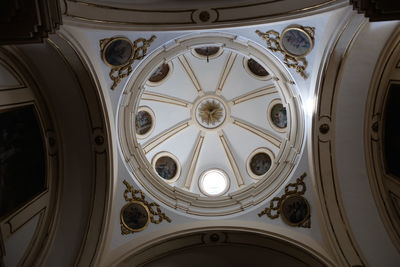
(210, 112)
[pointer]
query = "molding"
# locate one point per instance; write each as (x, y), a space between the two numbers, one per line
(192, 15)
(194, 203)
(385, 188)
(336, 224)
(172, 242)
(46, 202)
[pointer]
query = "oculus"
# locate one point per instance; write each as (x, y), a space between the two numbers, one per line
(296, 42)
(256, 69)
(214, 182)
(160, 73)
(135, 216)
(144, 122)
(208, 51)
(210, 112)
(166, 166)
(118, 52)
(278, 115)
(295, 210)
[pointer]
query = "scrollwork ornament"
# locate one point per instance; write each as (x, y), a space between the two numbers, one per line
(145, 211)
(294, 57)
(292, 207)
(122, 68)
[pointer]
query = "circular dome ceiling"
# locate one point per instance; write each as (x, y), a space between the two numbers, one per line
(210, 126)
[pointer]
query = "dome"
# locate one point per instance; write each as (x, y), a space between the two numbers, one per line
(211, 126)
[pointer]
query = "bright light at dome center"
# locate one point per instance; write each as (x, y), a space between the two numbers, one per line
(214, 182)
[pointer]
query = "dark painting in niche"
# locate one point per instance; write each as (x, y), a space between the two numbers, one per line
(135, 216)
(207, 51)
(166, 167)
(256, 68)
(143, 122)
(160, 73)
(118, 52)
(260, 163)
(295, 209)
(22, 158)
(278, 116)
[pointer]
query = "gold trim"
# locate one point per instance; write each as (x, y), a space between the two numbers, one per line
(274, 43)
(296, 189)
(125, 229)
(133, 195)
(308, 31)
(139, 50)
(105, 43)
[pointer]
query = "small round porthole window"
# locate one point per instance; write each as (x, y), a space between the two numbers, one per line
(207, 52)
(278, 115)
(214, 182)
(160, 74)
(259, 163)
(167, 166)
(144, 122)
(255, 69)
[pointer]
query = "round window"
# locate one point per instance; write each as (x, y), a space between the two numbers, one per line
(214, 182)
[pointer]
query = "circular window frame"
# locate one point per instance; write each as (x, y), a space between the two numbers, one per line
(155, 84)
(269, 110)
(252, 154)
(109, 42)
(310, 38)
(248, 70)
(216, 55)
(174, 158)
(123, 220)
(201, 179)
(284, 215)
(153, 118)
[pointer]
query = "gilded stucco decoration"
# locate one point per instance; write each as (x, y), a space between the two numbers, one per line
(119, 53)
(294, 42)
(138, 212)
(293, 208)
